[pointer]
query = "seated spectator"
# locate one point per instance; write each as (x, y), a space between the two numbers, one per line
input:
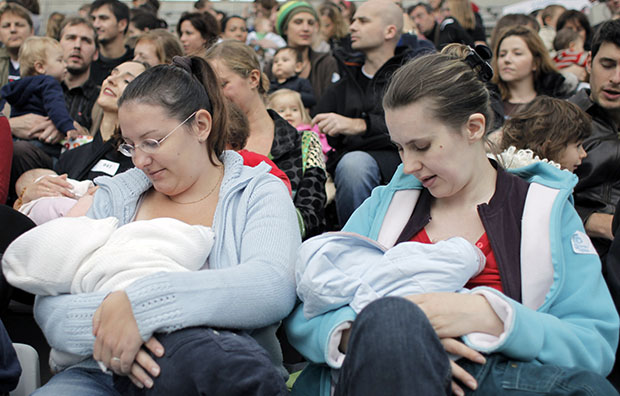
(111, 20)
(257, 237)
(297, 155)
(15, 28)
(524, 70)
(264, 40)
(289, 105)
(463, 12)
(233, 27)
(97, 158)
(350, 112)
(578, 22)
(286, 66)
(548, 128)
(569, 49)
(436, 109)
(157, 47)
(442, 33)
(298, 23)
(598, 190)
(334, 27)
(142, 21)
(52, 29)
(549, 16)
(39, 91)
(197, 32)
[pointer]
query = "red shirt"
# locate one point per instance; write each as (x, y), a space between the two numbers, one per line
(489, 275)
(252, 159)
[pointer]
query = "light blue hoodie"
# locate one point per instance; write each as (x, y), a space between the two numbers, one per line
(249, 284)
(575, 326)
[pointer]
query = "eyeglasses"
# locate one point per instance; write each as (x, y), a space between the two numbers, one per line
(149, 146)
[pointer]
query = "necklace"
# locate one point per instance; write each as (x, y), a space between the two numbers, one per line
(207, 195)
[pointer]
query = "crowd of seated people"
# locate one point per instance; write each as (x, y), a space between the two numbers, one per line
(380, 188)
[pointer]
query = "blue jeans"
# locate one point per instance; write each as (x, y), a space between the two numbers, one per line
(502, 376)
(206, 361)
(393, 350)
(357, 173)
(197, 361)
(79, 382)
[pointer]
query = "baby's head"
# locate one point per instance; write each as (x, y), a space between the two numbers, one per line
(31, 176)
(287, 103)
(42, 55)
(568, 39)
(262, 25)
(287, 62)
(552, 128)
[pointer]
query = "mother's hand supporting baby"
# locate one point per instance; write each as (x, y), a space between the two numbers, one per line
(118, 342)
(453, 315)
(48, 186)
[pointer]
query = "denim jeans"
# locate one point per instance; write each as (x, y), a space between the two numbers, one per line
(502, 376)
(79, 382)
(357, 173)
(393, 350)
(205, 361)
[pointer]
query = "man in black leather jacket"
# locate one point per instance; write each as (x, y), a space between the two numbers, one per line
(598, 190)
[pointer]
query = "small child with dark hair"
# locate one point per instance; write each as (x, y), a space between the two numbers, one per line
(42, 68)
(287, 64)
(569, 49)
(547, 129)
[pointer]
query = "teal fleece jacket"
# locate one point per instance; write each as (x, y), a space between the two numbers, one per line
(249, 284)
(576, 325)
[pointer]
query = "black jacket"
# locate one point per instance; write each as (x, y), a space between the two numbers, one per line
(348, 98)
(598, 189)
(296, 84)
(78, 163)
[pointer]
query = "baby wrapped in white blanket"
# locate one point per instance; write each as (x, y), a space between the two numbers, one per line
(81, 255)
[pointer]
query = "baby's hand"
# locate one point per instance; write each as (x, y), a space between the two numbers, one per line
(72, 134)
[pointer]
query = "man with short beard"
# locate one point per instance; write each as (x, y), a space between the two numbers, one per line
(79, 43)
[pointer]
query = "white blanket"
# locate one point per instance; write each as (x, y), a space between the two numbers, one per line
(80, 255)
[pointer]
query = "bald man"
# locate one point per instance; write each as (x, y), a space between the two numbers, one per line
(350, 112)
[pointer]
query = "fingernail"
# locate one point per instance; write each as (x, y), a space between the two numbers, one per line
(481, 360)
(459, 392)
(159, 351)
(138, 384)
(155, 371)
(149, 383)
(472, 384)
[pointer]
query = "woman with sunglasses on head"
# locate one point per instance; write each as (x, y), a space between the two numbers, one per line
(537, 320)
(174, 332)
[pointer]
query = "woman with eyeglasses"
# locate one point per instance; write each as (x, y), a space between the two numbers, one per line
(206, 332)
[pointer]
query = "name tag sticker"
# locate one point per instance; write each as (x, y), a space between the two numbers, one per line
(107, 167)
(581, 243)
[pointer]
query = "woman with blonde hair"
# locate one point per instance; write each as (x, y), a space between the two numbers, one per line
(524, 70)
(296, 154)
(157, 47)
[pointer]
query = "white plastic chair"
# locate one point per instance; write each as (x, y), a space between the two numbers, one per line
(30, 379)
